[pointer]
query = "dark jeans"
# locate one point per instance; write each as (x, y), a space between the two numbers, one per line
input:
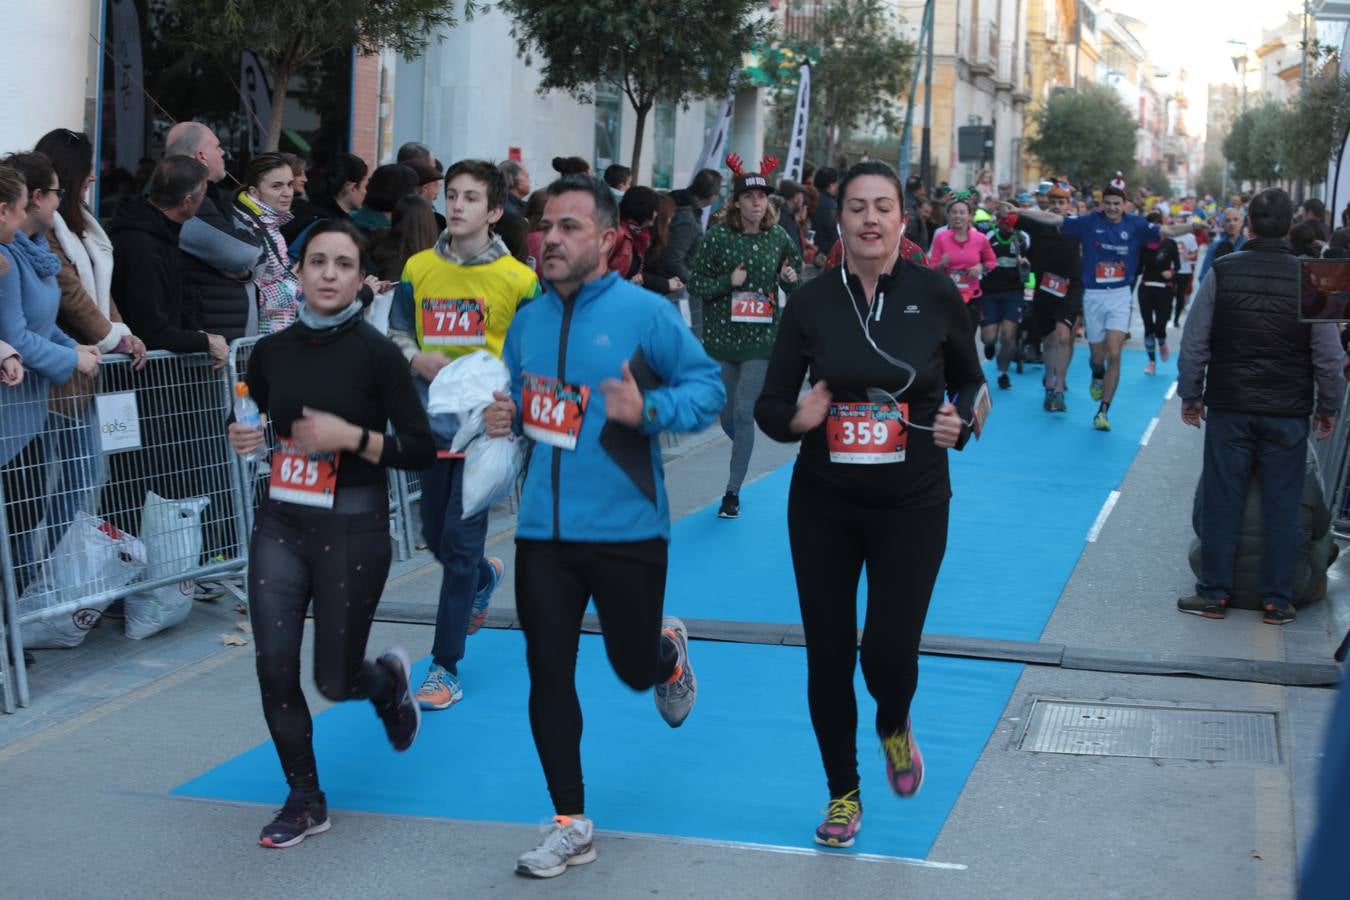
(554, 582)
(833, 541)
(457, 544)
(1278, 446)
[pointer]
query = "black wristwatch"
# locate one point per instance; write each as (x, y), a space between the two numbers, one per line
(365, 441)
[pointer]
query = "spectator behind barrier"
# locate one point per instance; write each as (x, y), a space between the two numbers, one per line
(85, 279)
(676, 259)
(30, 299)
(149, 284)
(620, 179)
(220, 257)
(264, 206)
(335, 191)
(518, 186)
(387, 185)
(1316, 549)
(87, 312)
(825, 220)
(637, 216)
(413, 230)
(180, 456)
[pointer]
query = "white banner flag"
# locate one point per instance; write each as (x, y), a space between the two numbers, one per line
(715, 145)
(128, 99)
(711, 157)
(257, 99)
(796, 156)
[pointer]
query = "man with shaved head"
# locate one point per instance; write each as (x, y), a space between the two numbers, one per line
(218, 258)
(1231, 239)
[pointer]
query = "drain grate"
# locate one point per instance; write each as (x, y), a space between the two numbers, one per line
(1152, 732)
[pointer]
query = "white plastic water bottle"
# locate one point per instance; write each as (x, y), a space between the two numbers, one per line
(246, 413)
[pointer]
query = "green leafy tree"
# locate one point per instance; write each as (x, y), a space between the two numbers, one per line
(1087, 134)
(1210, 179)
(672, 50)
(1256, 143)
(1236, 145)
(1154, 177)
(287, 34)
(864, 67)
(1317, 122)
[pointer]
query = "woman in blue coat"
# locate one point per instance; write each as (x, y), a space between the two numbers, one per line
(29, 301)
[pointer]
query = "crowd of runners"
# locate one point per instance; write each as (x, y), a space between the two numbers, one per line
(847, 312)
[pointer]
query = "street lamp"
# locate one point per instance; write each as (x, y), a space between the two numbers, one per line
(1240, 66)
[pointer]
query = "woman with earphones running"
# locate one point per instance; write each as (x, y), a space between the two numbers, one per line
(886, 343)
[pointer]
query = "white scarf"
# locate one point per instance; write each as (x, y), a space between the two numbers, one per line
(92, 257)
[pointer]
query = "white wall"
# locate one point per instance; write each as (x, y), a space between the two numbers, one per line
(47, 41)
(471, 95)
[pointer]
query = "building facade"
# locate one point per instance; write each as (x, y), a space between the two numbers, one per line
(980, 77)
(1051, 58)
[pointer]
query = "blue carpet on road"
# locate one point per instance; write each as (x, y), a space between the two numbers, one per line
(743, 768)
(1024, 498)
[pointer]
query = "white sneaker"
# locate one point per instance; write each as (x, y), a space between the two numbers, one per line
(567, 842)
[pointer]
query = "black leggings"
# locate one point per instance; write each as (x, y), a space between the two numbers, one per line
(554, 581)
(902, 549)
(340, 558)
(1155, 305)
(1183, 286)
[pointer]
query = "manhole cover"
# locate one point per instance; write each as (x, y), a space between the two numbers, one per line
(1152, 732)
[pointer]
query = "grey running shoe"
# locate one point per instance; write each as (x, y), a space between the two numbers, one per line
(1057, 403)
(1278, 613)
(1209, 607)
(675, 700)
(567, 842)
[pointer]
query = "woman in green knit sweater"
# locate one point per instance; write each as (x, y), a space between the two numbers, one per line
(740, 266)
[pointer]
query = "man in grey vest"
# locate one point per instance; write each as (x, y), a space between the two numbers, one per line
(1248, 367)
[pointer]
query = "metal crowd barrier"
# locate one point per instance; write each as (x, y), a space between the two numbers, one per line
(1333, 458)
(77, 466)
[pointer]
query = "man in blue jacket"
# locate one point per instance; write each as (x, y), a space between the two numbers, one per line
(1231, 240)
(599, 368)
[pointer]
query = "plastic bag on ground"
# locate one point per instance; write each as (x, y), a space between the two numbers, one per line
(91, 558)
(172, 533)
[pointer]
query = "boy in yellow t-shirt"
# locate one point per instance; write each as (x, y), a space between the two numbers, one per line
(457, 297)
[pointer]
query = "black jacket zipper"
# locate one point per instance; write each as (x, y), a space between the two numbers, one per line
(569, 304)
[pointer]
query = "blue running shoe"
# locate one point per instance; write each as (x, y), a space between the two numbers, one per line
(484, 596)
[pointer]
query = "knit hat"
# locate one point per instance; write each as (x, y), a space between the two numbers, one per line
(1119, 182)
(750, 181)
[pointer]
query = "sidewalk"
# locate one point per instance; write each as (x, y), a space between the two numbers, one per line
(86, 772)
